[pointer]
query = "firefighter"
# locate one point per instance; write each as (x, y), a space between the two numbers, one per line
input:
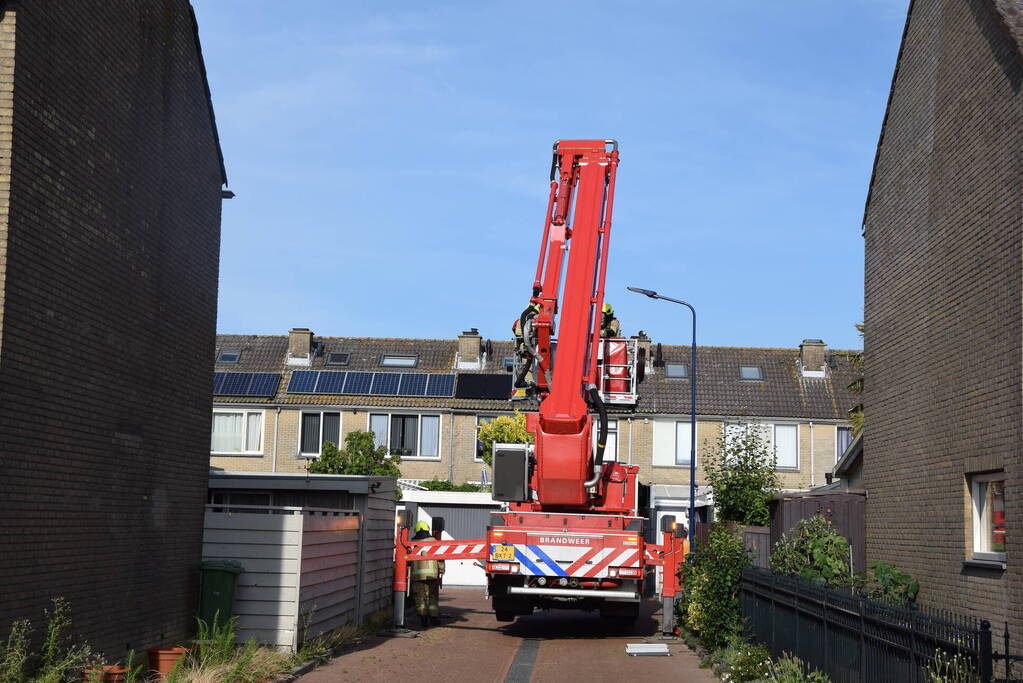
(426, 576)
(609, 326)
(522, 355)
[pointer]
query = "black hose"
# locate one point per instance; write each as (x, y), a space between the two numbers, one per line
(602, 434)
(520, 379)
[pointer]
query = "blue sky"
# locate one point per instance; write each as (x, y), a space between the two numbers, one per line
(391, 159)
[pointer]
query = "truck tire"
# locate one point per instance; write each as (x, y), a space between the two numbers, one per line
(505, 616)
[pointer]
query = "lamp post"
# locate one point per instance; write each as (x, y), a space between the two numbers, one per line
(692, 406)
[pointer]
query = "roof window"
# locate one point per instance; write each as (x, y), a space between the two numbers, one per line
(676, 370)
(338, 358)
(508, 362)
(751, 372)
(389, 360)
(229, 356)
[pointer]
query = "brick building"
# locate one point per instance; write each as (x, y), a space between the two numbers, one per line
(943, 311)
(799, 394)
(110, 199)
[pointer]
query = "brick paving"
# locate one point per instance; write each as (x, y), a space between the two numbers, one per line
(564, 646)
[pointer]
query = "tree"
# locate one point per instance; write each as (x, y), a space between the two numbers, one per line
(359, 456)
(504, 429)
(742, 476)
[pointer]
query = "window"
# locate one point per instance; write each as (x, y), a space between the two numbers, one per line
(611, 447)
(672, 443)
(318, 429)
(480, 421)
(988, 493)
(786, 447)
(751, 372)
(228, 356)
(407, 436)
(338, 358)
(676, 370)
(842, 441)
(396, 361)
(237, 431)
(508, 362)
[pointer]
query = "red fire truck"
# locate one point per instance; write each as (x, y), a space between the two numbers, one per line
(570, 535)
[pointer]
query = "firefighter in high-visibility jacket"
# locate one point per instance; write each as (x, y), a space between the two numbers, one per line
(426, 576)
(609, 325)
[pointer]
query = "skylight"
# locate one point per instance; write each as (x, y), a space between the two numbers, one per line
(676, 370)
(751, 372)
(508, 362)
(229, 356)
(338, 358)
(398, 361)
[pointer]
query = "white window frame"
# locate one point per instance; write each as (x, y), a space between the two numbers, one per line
(395, 360)
(687, 423)
(612, 430)
(477, 433)
(419, 434)
(838, 429)
(340, 429)
(981, 517)
(245, 431)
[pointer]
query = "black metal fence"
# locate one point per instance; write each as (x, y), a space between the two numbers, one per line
(851, 638)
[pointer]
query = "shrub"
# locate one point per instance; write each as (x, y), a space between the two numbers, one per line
(444, 485)
(741, 661)
(950, 668)
(359, 456)
(742, 476)
(814, 550)
(711, 587)
(891, 584)
(60, 658)
(504, 429)
(790, 669)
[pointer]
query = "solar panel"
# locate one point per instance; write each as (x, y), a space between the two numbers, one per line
(412, 384)
(218, 382)
(385, 384)
(330, 382)
(440, 385)
(236, 384)
(358, 382)
(264, 384)
(303, 382)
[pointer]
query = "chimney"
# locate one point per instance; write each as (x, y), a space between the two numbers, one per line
(470, 349)
(643, 349)
(812, 357)
(300, 344)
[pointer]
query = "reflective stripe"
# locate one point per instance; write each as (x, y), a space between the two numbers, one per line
(424, 569)
(547, 560)
(533, 569)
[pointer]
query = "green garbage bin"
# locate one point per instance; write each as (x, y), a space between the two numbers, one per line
(216, 589)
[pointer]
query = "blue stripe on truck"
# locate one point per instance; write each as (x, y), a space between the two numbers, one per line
(558, 571)
(521, 556)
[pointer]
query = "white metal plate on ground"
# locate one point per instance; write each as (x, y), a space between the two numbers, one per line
(647, 650)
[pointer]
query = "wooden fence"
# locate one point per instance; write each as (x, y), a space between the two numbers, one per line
(306, 570)
(757, 540)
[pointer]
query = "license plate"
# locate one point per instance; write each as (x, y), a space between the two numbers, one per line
(503, 553)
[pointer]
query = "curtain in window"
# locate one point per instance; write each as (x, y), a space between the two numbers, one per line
(227, 433)
(786, 446)
(253, 431)
(845, 437)
(311, 433)
(430, 440)
(332, 428)
(378, 425)
(683, 442)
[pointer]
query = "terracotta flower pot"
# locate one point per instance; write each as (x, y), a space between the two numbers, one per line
(105, 674)
(163, 659)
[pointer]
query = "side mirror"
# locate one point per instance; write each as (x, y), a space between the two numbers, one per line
(681, 531)
(668, 524)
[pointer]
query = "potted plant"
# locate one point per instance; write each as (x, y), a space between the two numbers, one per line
(163, 659)
(105, 673)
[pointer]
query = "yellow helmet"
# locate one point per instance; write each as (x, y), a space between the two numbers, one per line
(422, 526)
(608, 309)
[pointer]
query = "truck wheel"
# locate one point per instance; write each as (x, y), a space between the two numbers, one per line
(505, 616)
(625, 612)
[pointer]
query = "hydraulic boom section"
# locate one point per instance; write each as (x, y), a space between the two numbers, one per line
(576, 236)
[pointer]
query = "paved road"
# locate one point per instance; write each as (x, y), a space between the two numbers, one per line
(562, 646)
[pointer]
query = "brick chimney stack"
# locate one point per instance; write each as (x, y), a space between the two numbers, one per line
(300, 344)
(812, 356)
(470, 349)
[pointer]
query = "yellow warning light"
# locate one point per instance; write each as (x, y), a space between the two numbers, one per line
(499, 533)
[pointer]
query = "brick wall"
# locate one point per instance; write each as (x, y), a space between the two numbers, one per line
(109, 302)
(943, 302)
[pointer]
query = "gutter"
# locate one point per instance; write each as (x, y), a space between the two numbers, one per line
(277, 428)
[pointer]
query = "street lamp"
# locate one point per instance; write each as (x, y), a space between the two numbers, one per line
(692, 406)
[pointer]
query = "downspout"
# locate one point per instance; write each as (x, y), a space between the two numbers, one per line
(451, 439)
(813, 473)
(277, 427)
